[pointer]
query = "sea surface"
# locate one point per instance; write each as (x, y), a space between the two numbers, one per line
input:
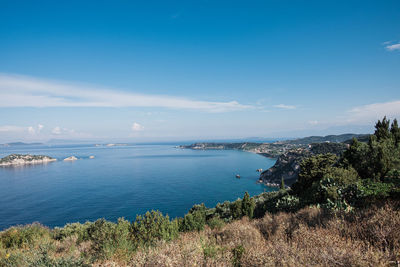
(122, 181)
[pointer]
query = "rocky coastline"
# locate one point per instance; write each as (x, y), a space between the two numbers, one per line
(19, 159)
(289, 155)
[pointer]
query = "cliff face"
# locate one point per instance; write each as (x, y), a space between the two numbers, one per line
(288, 164)
(287, 167)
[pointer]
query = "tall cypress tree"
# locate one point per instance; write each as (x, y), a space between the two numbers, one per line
(395, 132)
(248, 205)
(282, 184)
(382, 129)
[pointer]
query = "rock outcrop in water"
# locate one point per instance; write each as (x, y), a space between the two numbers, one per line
(72, 158)
(19, 159)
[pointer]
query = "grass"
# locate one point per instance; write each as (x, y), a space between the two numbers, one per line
(310, 237)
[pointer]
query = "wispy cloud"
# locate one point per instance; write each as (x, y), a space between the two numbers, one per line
(136, 127)
(372, 112)
(56, 130)
(315, 122)
(283, 106)
(12, 128)
(20, 129)
(22, 91)
(392, 47)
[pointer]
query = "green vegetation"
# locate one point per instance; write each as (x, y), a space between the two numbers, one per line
(329, 138)
(24, 159)
(346, 204)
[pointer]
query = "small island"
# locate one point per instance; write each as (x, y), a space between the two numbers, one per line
(72, 158)
(19, 159)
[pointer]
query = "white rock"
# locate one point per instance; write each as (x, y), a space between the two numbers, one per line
(70, 158)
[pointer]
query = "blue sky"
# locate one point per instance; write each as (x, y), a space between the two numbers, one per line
(183, 70)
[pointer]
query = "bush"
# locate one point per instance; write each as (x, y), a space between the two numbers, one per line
(248, 205)
(73, 229)
(194, 220)
(153, 226)
(236, 209)
(312, 170)
(24, 236)
(215, 223)
(288, 203)
(237, 254)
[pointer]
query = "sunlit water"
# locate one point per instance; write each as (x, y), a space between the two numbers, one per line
(122, 182)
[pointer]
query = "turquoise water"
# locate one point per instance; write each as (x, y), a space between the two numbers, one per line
(122, 182)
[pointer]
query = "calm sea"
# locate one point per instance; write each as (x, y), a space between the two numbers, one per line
(122, 182)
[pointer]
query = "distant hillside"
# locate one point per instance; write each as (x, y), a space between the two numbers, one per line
(22, 144)
(276, 149)
(329, 138)
(287, 166)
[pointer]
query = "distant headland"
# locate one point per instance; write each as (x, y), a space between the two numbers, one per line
(289, 153)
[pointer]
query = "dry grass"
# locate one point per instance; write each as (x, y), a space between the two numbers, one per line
(310, 237)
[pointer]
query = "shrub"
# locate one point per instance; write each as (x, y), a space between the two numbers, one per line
(24, 236)
(237, 254)
(73, 229)
(194, 220)
(288, 203)
(248, 206)
(153, 226)
(312, 170)
(236, 209)
(215, 223)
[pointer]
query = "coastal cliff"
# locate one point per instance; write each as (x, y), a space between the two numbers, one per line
(289, 153)
(287, 165)
(18, 159)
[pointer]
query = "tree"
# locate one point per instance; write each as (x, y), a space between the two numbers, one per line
(282, 184)
(236, 209)
(357, 157)
(382, 129)
(382, 153)
(395, 132)
(313, 169)
(153, 226)
(194, 220)
(248, 205)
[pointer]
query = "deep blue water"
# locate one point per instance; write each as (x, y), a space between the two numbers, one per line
(122, 182)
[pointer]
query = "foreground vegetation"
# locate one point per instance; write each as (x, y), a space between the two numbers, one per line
(342, 211)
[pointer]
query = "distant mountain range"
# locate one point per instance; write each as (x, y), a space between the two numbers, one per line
(21, 144)
(329, 138)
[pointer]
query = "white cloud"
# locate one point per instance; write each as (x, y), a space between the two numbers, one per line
(56, 130)
(283, 106)
(12, 128)
(136, 127)
(393, 47)
(18, 129)
(373, 112)
(22, 91)
(31, 130)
